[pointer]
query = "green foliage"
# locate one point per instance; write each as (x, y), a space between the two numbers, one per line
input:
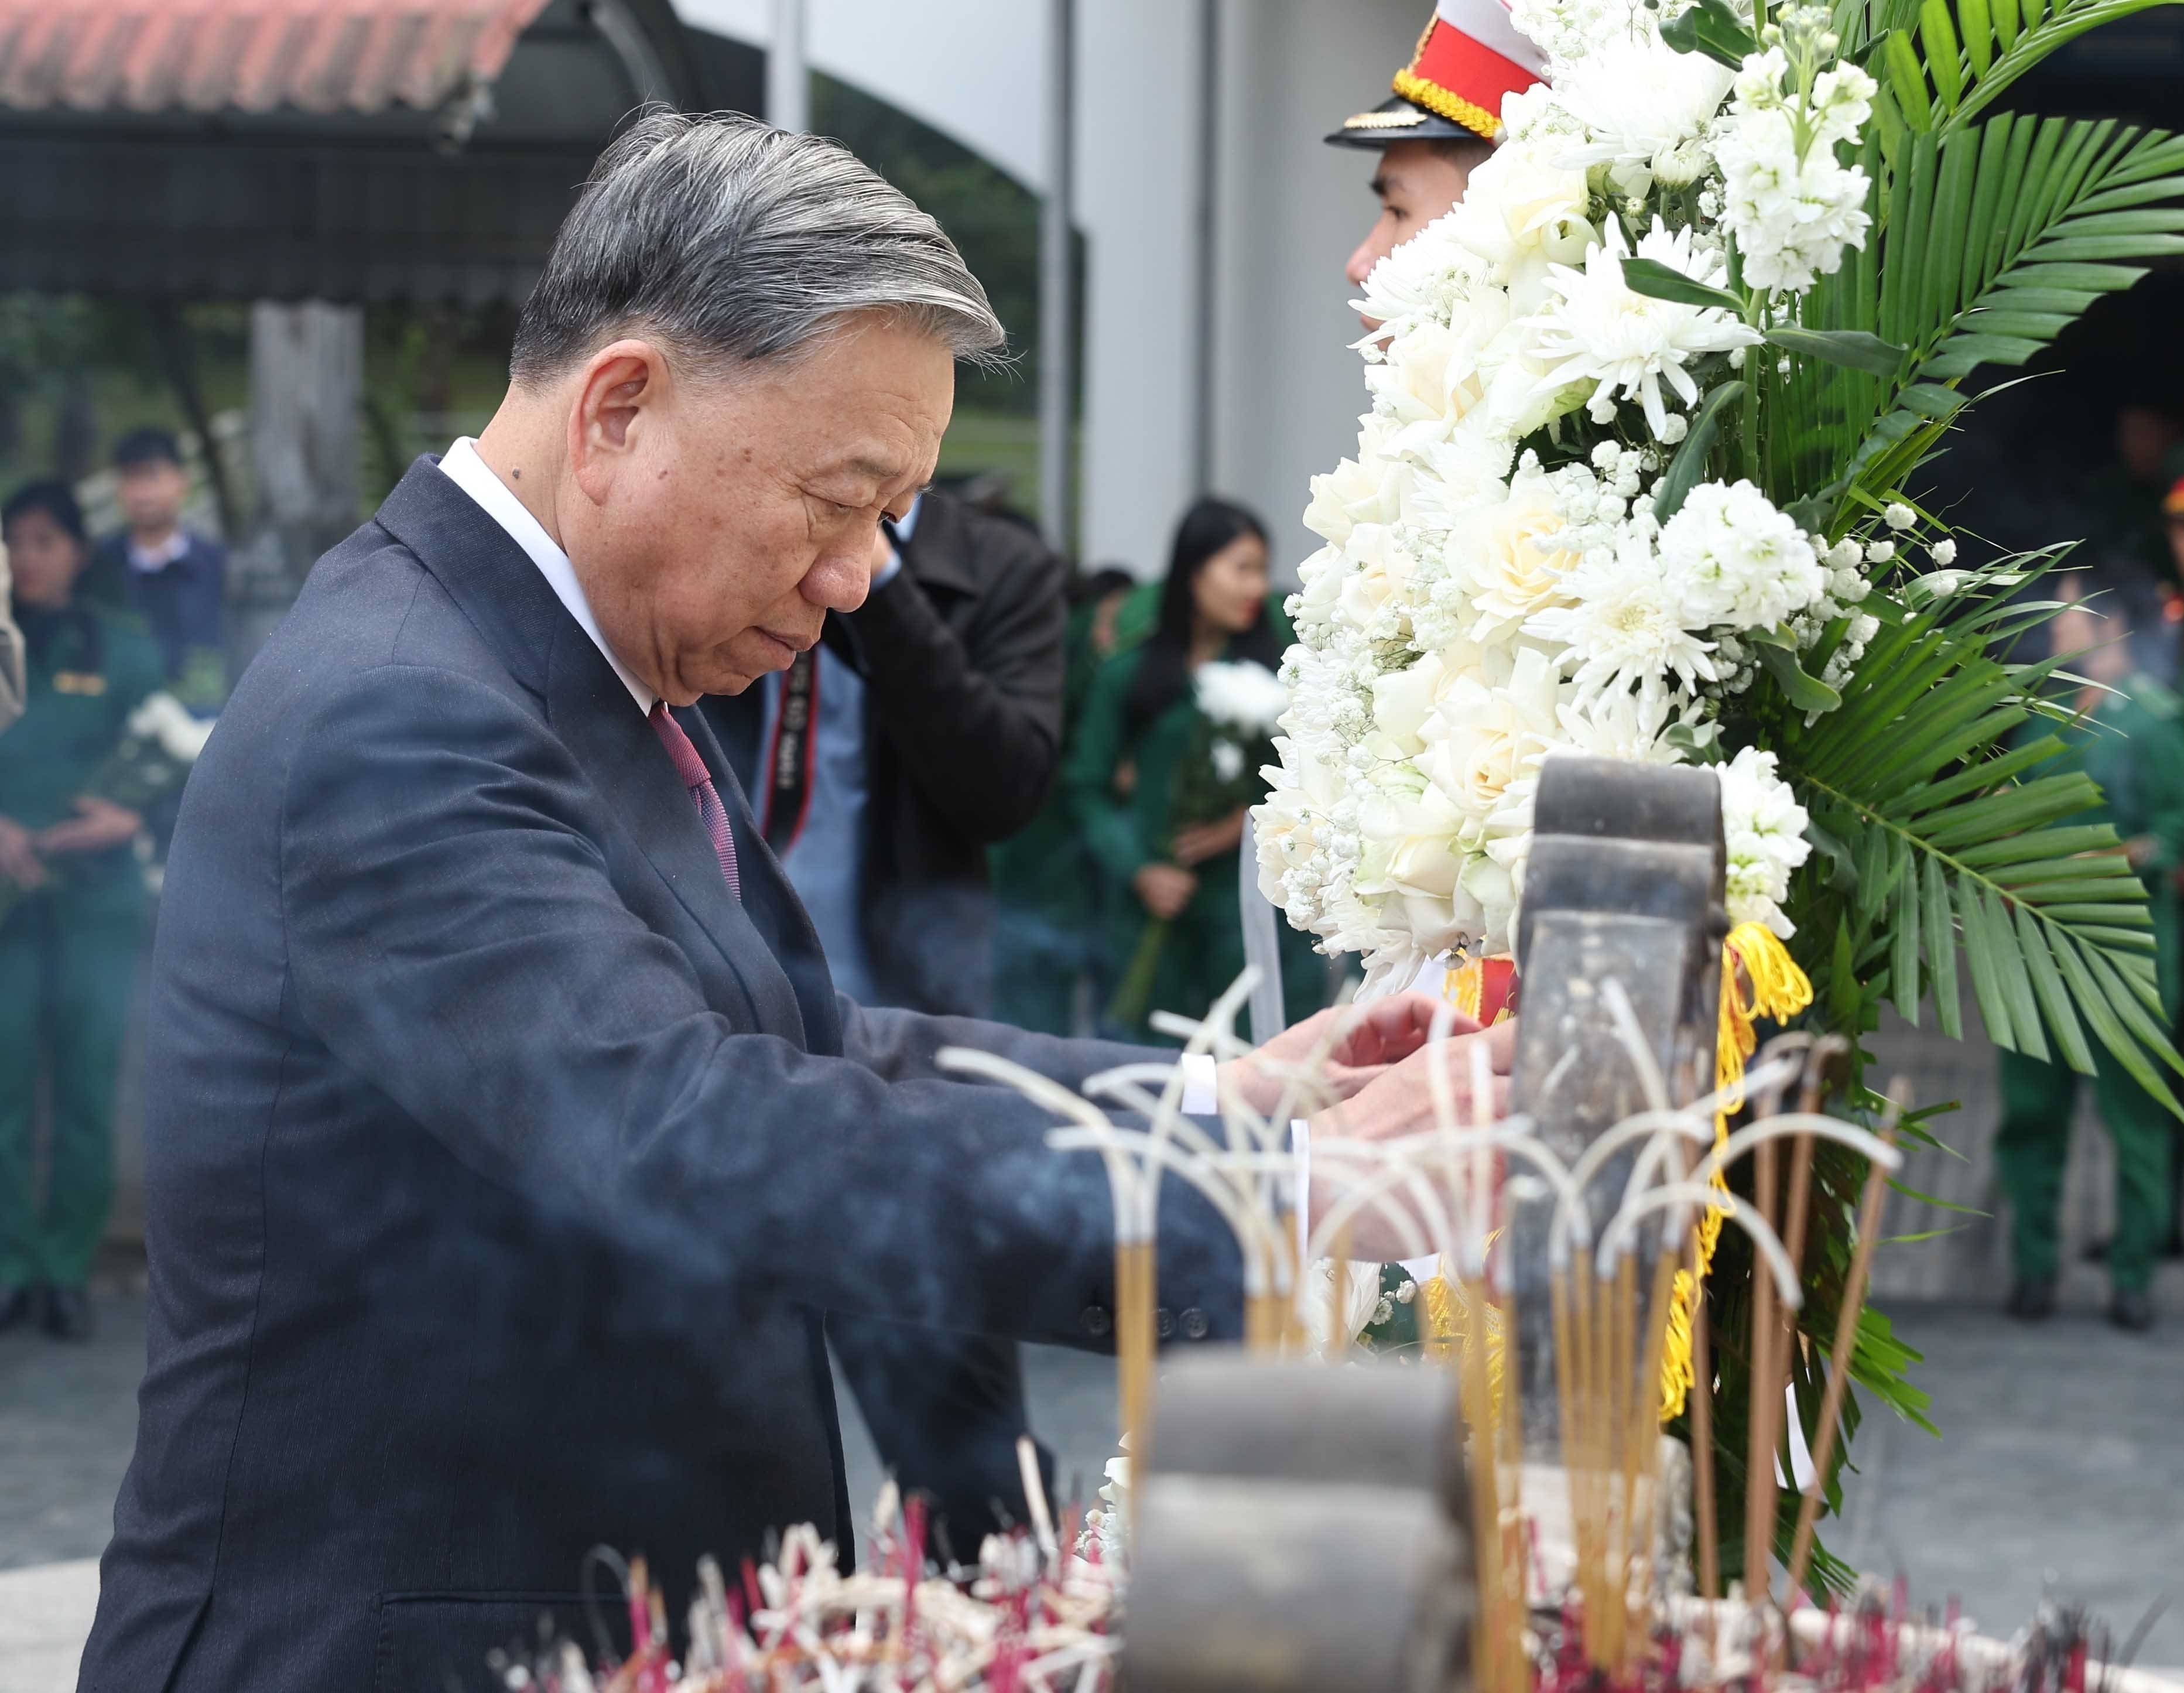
(1942, 65)
(1962, 841)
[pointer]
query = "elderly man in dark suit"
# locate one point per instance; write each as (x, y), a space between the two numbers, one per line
(506, 1135)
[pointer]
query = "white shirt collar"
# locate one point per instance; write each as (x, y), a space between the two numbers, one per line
(150, 559)
(462, 466)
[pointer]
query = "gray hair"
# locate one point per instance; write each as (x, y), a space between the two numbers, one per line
(736, 243)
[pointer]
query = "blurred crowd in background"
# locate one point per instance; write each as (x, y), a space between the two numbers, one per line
(1013, 784)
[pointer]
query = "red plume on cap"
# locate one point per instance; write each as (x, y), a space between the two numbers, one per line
(1470, 56)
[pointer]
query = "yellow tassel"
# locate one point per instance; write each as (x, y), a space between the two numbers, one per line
(1465, 987)
(1445, 1326)
(1753, 956)
(1759, 979)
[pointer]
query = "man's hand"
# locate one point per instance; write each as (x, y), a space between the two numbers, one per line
(1163, 889)
(1400, 1103)
(19, 856)
(1399, 1100)
(97, 825)
(1202, 841)
(1377, 1036)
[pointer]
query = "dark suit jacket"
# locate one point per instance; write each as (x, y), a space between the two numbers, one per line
(961, 653)
(182, 603)
(497, 1158)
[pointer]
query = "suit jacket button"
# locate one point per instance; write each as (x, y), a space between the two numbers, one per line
(1095, 1321)
(1165, 1319)
(1194, 1324)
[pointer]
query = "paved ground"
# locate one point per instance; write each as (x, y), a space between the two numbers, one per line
(2063, 1461)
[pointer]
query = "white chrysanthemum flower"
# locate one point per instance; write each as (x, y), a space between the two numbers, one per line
(1624, 628)
(1630, 726)
(1644, 106)
(1430, 278)
(1765, 827)
(1628, 344)
(1737, 560)
(1240, 694)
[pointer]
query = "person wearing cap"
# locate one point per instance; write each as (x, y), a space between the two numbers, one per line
(1441, 122)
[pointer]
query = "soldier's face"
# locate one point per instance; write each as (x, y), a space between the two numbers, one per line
(1417, 181)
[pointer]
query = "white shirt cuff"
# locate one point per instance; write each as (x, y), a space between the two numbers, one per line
(1201, 1092)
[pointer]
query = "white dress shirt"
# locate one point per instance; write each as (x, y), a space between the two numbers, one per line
(462, 466)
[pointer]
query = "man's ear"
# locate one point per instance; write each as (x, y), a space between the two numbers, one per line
(617, 398)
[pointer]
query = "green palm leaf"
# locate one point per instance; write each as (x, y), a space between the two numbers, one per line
(1969, 843)
(1994, 237)
(1947, 63)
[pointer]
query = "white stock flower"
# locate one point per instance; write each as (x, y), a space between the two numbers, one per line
(1240, 695)
(1791, 212)
(1598, 331)
(1765, 827)
(1738, 560)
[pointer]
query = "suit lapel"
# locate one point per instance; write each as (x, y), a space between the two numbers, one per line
(502, 592)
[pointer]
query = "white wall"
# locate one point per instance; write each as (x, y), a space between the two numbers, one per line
(971, 69)
(1286, 390)
(1138, 77)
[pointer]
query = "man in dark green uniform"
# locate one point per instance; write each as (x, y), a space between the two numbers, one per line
(2131, 741)
(73, 900)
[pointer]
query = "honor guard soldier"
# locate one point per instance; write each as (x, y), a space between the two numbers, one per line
(1439, 123)
(71, 911)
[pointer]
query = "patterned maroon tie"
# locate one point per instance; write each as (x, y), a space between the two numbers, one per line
(706, 797)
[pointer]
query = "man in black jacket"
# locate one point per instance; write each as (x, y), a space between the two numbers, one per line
(925, 728)
(506, 1135)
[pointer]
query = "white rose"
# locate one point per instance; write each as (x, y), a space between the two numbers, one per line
(1404, 700)
(1515, 560)
(1522, 210)
(1410, 841)
(1377, 569)
(1320, 580)
(1357, 491)
(1485, 740)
